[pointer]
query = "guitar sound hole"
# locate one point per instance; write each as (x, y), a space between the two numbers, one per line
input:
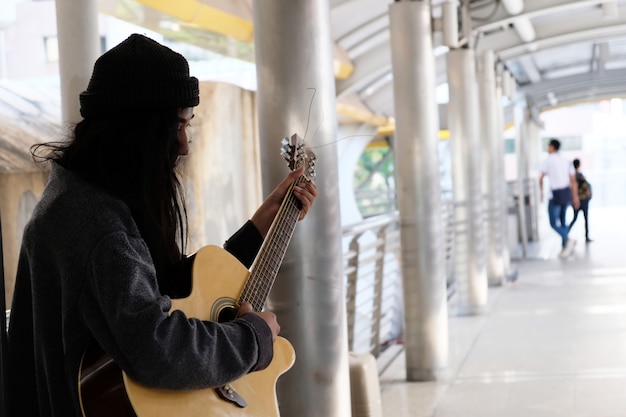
(227, 314)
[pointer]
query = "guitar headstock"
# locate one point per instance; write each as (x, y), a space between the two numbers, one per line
(297, 154)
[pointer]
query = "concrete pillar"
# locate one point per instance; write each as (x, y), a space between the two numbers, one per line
(504, 213)
(534, 149)
(79, 47)
(463, 119)
(419, 191)
(491, 161)
(521, 144)
(293, 49)
(530, 181)
(533, 152)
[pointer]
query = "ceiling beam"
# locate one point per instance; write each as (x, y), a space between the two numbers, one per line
(535, 9)
(577, 88)
(552, 33)
(598, 34)
(530, 68)
(198, 14)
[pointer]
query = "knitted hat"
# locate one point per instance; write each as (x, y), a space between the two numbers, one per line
(139, 73)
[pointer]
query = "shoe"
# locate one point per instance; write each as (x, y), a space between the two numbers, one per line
(569, 248)
(588, 240)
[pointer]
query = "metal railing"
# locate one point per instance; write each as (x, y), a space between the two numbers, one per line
(373, 277)
(376, 202)
(373, 283)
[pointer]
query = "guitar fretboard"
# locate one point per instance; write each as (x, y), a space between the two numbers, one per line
(267, 263)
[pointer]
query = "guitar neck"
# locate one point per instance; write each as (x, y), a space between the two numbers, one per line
(267, 263)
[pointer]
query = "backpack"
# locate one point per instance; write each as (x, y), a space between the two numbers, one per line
(584, 188)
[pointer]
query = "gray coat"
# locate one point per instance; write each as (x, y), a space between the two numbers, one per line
(86, 274)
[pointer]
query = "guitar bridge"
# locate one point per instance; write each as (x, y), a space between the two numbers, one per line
(228, 393)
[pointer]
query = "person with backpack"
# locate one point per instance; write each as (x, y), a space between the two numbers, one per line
(584, 195)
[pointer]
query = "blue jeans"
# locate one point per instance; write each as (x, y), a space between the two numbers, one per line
(584, 207)
(556, 213)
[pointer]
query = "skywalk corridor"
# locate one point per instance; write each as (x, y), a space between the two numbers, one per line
(551, 344)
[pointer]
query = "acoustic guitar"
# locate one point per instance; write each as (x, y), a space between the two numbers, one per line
(105, 390)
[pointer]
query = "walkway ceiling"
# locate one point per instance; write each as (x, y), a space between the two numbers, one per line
(558, 51)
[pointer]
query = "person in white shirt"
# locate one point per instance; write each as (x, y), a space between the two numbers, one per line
(564, 191)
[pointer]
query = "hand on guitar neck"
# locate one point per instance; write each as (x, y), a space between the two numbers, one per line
(305, 191)
(268, 316)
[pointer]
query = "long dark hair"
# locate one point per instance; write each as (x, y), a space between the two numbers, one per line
(133, 156)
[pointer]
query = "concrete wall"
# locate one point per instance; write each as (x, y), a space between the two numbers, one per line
(221, 176)
(223, 168)
(18, 194)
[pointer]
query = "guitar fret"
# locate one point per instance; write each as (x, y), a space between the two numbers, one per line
(267, 263)
(271, 254)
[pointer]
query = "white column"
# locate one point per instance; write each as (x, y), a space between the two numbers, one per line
(470, 241)
(419, 191)
(293, 47)
(79, 47)
(491, 161)
(504, 213)
(521, 144)
(533, 153)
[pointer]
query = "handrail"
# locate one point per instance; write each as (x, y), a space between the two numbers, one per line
(373, 277)
(370, 223)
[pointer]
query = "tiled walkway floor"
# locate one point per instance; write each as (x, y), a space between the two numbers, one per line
(551, 344)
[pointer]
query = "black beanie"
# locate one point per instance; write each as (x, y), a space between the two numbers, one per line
(140, 74)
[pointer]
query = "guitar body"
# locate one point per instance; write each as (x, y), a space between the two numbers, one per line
(208, 298)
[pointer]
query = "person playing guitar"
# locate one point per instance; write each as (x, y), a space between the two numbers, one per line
(102, 259)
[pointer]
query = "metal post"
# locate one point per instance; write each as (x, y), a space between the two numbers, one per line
(502, 186)
(419, 191)
(491, 180)
(377, 302)
(352, 271)
(79, 47)
(532, 156)
(519, 112)
(293, 48)
(465, 145)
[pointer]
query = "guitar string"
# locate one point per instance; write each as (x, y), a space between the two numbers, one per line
(272, 266)
(261, 287)
(269, 263)
(269, 268)
(280, 242)
(261, 258)
(257, 288)
(253, 291)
